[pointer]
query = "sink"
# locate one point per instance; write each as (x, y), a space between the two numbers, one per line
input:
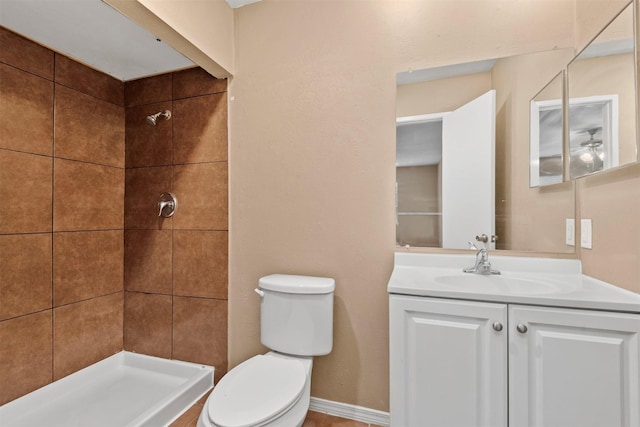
(501, 284)
(524, 280)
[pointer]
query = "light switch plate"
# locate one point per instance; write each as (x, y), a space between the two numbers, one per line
(570, 232)
(585, 233)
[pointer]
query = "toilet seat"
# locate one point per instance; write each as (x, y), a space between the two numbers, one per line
(256, 391)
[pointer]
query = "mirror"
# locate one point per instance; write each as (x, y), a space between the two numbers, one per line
(524, 219)
(547, 131)
(529, 214)
(445, 164)
(602, 116)
(418, 183)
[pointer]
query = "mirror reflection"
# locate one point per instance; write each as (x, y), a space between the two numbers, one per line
(418, 183)
(522, 218)
(602, 101)
(547, 134)
(445, 143)
(445, 165)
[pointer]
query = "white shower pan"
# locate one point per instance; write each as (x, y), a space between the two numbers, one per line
(124, 390)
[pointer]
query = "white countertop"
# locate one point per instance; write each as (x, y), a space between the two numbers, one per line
(523, 280)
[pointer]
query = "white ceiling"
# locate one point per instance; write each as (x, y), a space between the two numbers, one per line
(93, 33)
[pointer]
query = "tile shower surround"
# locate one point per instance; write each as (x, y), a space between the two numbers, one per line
(88, 268)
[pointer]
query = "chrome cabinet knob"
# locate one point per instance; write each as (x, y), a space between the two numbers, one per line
(497, 326)
(522, 328)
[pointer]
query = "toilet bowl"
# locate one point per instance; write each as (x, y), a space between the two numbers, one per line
(267, 390)
(273, 389)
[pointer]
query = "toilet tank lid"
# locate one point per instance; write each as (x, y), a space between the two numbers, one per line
(294, 284)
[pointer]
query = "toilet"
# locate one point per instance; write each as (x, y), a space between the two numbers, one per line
(273, 389)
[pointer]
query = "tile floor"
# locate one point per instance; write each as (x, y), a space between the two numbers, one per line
(314, 419)
(317, 419)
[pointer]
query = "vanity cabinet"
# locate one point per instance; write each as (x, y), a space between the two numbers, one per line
(468, 363)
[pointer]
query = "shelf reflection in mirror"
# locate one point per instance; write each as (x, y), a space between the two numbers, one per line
(602, 116)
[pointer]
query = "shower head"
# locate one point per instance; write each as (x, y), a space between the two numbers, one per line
(153, 118)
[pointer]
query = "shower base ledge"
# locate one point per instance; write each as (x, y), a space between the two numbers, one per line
(124, 390)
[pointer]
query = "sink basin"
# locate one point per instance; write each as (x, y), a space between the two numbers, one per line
(498, 283)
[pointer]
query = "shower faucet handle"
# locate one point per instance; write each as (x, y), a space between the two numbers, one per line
(167, 205)
(162, 205)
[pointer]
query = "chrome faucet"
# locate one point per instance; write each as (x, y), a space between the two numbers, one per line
(482, 266)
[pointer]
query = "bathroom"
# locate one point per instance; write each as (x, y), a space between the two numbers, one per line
(312, 107)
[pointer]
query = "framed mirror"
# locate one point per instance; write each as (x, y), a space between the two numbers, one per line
(602, 105)
(547, 131)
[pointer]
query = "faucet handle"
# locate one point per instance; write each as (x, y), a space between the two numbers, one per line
(472, 246)
(485, 239)
(482, 238)
(168, 201)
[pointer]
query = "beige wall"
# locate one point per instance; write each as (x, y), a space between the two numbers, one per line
(612, 202)
(311, 156)
(442, 95)
(312, 153)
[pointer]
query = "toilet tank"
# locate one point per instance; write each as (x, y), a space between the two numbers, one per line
(296, 314)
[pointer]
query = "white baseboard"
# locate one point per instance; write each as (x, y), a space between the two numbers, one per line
(351, 412)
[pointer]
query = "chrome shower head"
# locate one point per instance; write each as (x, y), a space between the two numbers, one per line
(153, 118)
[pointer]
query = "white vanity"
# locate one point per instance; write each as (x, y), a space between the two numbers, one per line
(538, 345)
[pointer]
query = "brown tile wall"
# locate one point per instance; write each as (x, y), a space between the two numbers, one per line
(62, 177)
(176, 268)
(79, 229)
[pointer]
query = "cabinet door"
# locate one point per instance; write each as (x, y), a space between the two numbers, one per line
(448, 363)
(573, 368)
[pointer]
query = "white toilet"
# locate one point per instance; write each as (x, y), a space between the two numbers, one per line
(273, 389)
